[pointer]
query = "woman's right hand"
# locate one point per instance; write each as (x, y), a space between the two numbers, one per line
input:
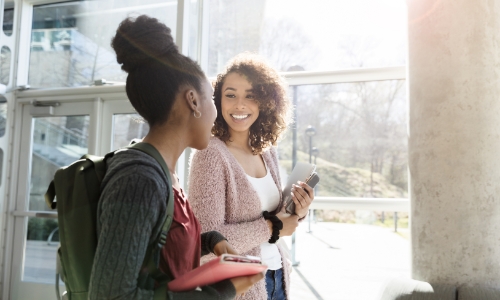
(290, 222)
(244, 283)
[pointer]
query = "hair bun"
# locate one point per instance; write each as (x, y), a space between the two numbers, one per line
(142, 40)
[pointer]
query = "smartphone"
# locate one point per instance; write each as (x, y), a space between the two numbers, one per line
(241, 259)
(312, 180)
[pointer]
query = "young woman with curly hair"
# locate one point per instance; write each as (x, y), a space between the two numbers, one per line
(234, 184)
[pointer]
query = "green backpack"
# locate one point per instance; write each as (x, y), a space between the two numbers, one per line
(78, 189)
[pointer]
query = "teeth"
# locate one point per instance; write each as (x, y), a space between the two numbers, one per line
(240, 117)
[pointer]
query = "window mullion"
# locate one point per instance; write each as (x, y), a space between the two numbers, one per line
(22, 30)
(182, 34)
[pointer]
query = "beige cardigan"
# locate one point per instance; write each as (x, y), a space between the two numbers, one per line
(223, 199)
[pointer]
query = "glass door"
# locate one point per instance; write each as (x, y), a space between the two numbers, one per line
(53, 135)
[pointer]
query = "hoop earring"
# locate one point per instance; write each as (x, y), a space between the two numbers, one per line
(194, 114)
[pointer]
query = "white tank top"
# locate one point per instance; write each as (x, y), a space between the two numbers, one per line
(269, 198)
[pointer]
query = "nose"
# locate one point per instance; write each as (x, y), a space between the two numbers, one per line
(240, 102)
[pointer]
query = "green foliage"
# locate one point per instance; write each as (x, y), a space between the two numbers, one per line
(389, 221)
(40, 229)
(339, 181)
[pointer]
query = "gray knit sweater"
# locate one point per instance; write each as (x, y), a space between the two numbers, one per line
(130, 214)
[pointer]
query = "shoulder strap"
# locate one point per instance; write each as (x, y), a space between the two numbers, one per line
(50, 195)
(151, 150)
(153, 262)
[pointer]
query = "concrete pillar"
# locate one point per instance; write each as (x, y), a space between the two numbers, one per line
(454, 146)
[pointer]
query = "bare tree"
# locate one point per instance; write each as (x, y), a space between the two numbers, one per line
(284, 43)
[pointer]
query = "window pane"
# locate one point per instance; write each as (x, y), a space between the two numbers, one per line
(3, 125)
(5, 59)
(57, 142)
(1, 166)
(70, 42)
(127, 127)
(41, 248)
(194, 29)
(8, 17)
(360, 141)
(317, 35)
(3, 115)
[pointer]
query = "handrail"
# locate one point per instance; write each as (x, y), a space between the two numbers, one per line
(35, 214)
(353, 203)
(61, 134)
(60, 129)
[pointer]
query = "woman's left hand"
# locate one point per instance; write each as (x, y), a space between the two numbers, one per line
(224, 247)
(302, 195)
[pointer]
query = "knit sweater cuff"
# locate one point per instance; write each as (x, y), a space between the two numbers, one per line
(209, 240)
(225, 289)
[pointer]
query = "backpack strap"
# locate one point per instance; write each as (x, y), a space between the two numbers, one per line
(151, 150)
(100, 169)
(160, 241)
(50, 195)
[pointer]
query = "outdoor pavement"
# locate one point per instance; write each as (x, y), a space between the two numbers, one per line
(40, 262)
(337, 261)
(347, 261)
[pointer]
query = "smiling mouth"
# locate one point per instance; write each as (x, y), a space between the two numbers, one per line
(240, 117)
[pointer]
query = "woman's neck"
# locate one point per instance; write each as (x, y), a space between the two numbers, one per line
(239, 140)
(169, 142)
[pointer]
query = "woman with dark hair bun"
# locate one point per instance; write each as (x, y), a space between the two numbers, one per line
(235, 185)
(173, 95)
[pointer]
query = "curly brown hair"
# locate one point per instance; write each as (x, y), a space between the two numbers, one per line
(270, 92)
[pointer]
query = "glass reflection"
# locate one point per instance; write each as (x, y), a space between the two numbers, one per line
(3, 115)
(42, 241)
(70, 42)
(57, 142)
(8, 17)
(127, 127)
(5, 59)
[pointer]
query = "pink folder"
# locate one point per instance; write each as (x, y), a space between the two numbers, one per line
(220, 268)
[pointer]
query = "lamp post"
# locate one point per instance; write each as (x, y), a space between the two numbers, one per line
(294, 116)
(310, 132)
(295, 68)
(315, 153)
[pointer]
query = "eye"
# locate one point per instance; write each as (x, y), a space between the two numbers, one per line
(229, 95)
(251, 97)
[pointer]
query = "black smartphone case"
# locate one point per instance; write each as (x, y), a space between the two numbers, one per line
(290, 205)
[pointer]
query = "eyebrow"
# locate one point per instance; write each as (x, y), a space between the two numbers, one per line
(233, 89)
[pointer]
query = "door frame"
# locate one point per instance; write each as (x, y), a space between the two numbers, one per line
(19, 204)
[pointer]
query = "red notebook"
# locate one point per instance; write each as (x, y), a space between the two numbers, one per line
(220, 268)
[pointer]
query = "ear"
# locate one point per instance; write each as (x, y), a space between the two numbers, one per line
(192, 99)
